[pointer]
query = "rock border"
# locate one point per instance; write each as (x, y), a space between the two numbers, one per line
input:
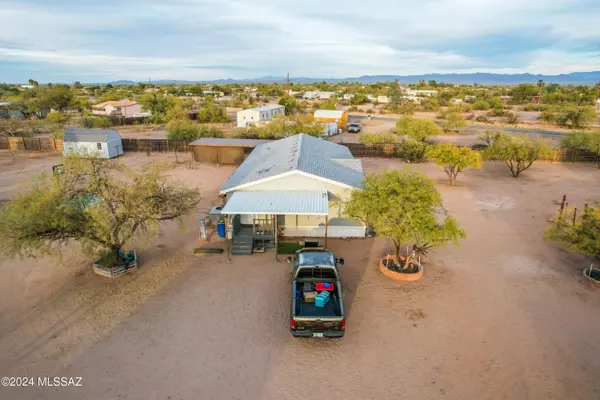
(399, 276)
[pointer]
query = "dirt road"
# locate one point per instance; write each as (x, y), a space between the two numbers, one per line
(503, 316)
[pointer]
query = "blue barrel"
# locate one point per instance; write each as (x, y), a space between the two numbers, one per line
(221, 228)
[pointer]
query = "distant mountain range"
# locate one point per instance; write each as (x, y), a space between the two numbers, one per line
(575, 78)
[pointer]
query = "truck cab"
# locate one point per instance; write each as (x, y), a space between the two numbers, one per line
(317, 308)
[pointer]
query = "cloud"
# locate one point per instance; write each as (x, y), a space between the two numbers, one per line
(207, 39)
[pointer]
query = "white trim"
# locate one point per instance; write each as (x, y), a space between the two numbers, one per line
(284, 174)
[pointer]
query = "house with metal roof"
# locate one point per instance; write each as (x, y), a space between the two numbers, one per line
(123, 108)
(338, 116)
(292, 187)
(101, 143)
(258, 115)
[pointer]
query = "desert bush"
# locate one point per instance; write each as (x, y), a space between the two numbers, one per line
(483, 119)
(417, 129)
(352, 108)
(496, 112)
(179, 129)
(378, 138)
(453, 159)
(212, 113)
(412, 151)
(481, 105)
(511, 118)
(96, 122)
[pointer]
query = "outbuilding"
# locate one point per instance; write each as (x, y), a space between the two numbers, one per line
(337, 116)
(223, 150)
(101, 143)
(258, 115)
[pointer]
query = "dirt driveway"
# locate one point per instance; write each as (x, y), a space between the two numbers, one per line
(503, 316)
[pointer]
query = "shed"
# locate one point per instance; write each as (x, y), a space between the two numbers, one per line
(102, 143)
(337, 116)
(223, 150)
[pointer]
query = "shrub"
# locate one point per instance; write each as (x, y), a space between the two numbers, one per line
(187, 130)
(352, 108)
(496, 112)
(483, 119)
(378, 138)
(412, 151)
(212, 113)
(452, 122)
(511, 118)
(481, 105)
(417, 129)
(97, 122)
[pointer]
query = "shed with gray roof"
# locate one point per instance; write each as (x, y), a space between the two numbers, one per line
(101, 143)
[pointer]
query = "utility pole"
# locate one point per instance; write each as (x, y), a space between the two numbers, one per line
(288, 83)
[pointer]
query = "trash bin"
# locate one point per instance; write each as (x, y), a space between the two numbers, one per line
(221, 228)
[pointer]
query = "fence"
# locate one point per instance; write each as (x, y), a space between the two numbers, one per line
(395, 151)
(35, 144)
(182, 146)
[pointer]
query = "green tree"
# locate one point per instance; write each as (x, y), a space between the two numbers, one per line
(96, 202)
(213, 113)
(453, 159)
(289, 102)
(583, 140)
(417, 129)
(57, 118)
(56, 97)
(581, 234)
(452, 121)
(181, 129)
(518, 152)
(576, 117)
(481, 105)
(157, 104)
(33, 83)
(404, 206)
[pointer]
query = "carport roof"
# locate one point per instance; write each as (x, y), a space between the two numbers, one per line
(279, 202)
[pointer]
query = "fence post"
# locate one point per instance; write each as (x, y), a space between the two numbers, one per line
(23, 141)
(40, 144)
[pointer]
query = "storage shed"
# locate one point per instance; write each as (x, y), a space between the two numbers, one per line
(223, 150)
(337, 116)
(101, 143)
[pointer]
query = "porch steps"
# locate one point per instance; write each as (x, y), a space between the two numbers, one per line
(243, 242)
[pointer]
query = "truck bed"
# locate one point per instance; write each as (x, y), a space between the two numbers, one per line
(331, 309)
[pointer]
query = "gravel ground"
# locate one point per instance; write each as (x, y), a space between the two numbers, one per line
(503, 316)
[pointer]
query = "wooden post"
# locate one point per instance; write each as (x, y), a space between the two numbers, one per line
(40, 144)
(23, 141)
(574, 216)
(326, 228)
(276, 232)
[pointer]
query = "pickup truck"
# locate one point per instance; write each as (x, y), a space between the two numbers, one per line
(312, 267)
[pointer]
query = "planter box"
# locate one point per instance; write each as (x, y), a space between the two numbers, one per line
(117, 270)
(399, 276)
(593, 282)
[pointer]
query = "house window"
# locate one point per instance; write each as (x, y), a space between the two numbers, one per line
(99, 145)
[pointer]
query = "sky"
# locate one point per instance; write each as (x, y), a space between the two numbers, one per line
(67, 40)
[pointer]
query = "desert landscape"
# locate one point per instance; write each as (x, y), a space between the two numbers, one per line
(504, 315)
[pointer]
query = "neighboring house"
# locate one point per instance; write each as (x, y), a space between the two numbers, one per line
(383, 99)
(422, 92)
(258, 115)
(456, 101)
(212, 93)
(312, 95)
(121, 108)
(505, 99)
(7, 112)
(338, 116)
(348, 96)
(294, 186)
(598, 104)
(101, 143)
(469, 98)
(413, 99)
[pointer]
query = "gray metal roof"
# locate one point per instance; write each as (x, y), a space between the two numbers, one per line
(231, 142)
(281, 202)
(90, 135)
(298, 153)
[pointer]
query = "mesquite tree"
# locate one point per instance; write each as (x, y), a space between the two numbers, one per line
(99, 203)
(453, 159)
(518, 152)
(405, 207)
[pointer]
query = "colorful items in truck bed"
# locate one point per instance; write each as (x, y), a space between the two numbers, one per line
(322, 299)
(324, 286)
(309, 297)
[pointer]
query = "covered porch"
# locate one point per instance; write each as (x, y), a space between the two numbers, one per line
(258, 218)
